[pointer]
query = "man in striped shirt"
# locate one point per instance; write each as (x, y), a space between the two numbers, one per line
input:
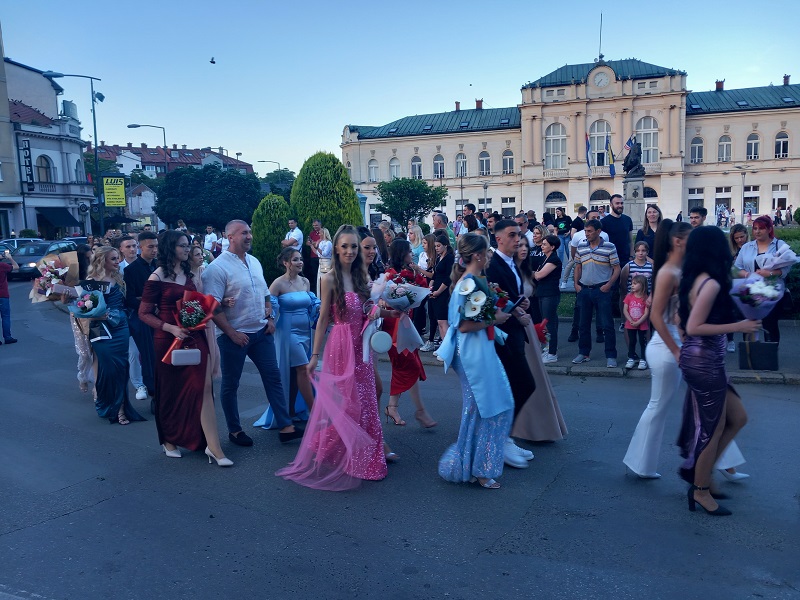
(596, 271)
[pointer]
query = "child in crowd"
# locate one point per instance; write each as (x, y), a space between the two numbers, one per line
(636, 313)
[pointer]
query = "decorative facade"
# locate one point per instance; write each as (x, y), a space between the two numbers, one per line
(731, 147)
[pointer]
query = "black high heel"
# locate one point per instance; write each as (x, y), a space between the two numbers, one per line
(720, 511)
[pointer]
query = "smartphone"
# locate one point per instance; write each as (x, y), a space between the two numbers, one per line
(512, 305)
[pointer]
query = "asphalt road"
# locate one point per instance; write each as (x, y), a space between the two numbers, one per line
(92, 510)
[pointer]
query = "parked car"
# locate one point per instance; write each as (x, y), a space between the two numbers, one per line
(78, 240)
(4, 247)
(17, 242)
(29, 255)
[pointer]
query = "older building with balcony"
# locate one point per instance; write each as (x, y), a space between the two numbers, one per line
(561, 145)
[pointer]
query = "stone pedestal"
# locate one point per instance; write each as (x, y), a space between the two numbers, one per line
(635, 204)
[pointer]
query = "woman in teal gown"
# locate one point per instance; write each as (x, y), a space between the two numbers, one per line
(296, 310)
(488, 406)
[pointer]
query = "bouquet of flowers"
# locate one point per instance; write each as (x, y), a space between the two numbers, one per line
(52, 275)
(193, 312)
(404, 290)
(89, 305)
(756, 296)
(481, 304)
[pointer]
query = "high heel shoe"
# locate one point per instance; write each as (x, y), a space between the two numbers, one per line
(222, 462)
(425, 419)
(720, 511)
(489, 484)
(397, 420)
(735, 476)
(171, 453)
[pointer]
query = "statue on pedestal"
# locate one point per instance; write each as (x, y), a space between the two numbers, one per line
(632, 165)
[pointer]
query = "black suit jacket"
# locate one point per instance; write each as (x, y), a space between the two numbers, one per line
(135, 275)
(500, 273)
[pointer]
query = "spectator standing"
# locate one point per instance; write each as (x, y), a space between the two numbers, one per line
(314, 238)
(636, 313)
(293, 237)
(522, 222)
(128, 248)
(652, 218)
(679, 218)
(6, 266)
(548, 294)
(210, 239)
(563, 225)
(697, 216)
(618, 226)
(440, 222)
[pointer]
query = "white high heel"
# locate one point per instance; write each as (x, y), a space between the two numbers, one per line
(737, 476)
(171, 453)
(222, 462)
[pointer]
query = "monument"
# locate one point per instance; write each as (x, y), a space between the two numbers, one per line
(633, 185)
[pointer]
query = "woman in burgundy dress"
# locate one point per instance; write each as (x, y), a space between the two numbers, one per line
(184, 395)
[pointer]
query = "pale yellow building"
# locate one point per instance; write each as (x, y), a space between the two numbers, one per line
(724, 147)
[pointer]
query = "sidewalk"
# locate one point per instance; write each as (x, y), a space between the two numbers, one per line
(789, 373)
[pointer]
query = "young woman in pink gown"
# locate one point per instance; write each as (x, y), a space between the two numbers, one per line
(343, 441)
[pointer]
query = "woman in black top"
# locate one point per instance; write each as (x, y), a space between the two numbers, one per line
(536, 255)
(652, 219)
(547, 276)
(440, 286)
(563, 225)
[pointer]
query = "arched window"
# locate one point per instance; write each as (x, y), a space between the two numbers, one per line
(696, 151)
(349, 168)
(394, 168)
(416, 168)
(650, 193)
(599, 197)
(461, 165)
(80, 176)
(598, 132)
(724, 149)
(484, 163)
(782, 145)
(555, 147)
(647, 136)
(753, 146)
(556, 198)
(372, 170)
(44, 170)
(508, 162)
(438, 167)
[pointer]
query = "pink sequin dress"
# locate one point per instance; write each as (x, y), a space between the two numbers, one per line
(343, 441)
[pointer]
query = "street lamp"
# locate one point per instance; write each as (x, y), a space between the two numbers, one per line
(163, 131)
(743, 170)
(280, 171)
(96, 97)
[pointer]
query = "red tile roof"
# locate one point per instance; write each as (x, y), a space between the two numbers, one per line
(27, 115)
(186, 157)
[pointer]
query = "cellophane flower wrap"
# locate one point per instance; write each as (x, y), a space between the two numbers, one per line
(404, 291)
(52, 274)
(756, 296)
(89, 305)
(193, 312)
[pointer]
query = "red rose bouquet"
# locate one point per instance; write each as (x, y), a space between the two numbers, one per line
(193, 312)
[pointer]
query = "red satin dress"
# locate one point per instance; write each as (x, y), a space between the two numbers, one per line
(407, 367)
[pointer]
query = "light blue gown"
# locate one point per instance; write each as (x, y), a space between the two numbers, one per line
(296, 317)
(488, 406)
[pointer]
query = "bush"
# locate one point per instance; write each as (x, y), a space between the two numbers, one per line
(269, 228)
(28, 233)
(323, 190)
(426, 229)
(796, 215)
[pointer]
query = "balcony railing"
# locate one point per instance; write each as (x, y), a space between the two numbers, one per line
(64, 189)
(652, 168)
(556, 174)
(600, 172)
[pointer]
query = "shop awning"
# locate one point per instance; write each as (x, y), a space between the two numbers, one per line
(59, 217)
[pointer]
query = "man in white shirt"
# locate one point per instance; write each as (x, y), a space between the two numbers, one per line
(128, 248)
(522, 221)
(294, 237)
(210, 239)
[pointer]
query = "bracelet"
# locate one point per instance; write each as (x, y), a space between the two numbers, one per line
(316, 354)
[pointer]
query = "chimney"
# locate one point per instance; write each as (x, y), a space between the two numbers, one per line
(478, 104)
(720, 85)
(144, 146)
(130, 145)
(786, 79)
(183, 147)
(89, 147)
(458, 106)
(174, 146)
(102, 143)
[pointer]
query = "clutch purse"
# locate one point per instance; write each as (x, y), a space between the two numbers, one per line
(185, 356)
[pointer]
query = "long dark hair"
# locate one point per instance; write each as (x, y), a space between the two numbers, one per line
(376, 267)
(167, 242)
(398, 250)
(662, 245)
(707, 252)
(646, 225)
(525, 265)
(83, 260)
(358, 271)
(383, 249)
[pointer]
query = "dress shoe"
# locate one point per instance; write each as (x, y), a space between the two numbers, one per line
(720, 511)
(222, 462)
(573, 337)
(512, 458)
(171, 453)
(733, 476)
(489, 484)
(10, 340)
(292, 435)
(241, 439)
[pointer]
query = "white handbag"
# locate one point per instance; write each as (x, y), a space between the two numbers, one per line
(186, 356)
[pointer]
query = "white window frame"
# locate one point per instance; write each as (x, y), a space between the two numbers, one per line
(753, 146)
(461, 165)
(508, 162)
(484, 164)
(782, 145)
(372, 170)
(696, 151)
(555, 146)
(416, 167)
(724, 149)
(647, 136)
(597, 142)
(394, 168)
(438, 167)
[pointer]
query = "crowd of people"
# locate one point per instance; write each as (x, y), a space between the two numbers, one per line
(669, 278)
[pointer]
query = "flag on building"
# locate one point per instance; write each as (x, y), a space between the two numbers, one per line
(631, 141)
(588, 155)
(610, 157)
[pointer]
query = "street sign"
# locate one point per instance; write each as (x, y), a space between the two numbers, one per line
(27, 164)
(114, 191)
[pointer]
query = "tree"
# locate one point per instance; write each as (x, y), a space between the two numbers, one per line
(207, 196)
(281, 182)
(269, 228)
(404, 199)
(323, 190)
(106, 166)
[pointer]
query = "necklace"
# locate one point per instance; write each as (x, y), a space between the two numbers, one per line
(292, 281)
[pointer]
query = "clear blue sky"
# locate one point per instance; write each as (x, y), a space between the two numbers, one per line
(290, 75)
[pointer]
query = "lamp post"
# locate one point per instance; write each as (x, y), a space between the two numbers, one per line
(163, 131)
(743, 170)
(280, 171)
(96, 97)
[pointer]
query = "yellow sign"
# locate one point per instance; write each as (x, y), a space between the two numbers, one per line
(114, 191)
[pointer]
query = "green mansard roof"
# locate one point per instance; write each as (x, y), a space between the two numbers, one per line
(457, 121)
(629, 68)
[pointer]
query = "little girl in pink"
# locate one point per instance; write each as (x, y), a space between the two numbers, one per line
(637, 315)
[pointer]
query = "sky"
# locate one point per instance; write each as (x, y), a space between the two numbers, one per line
(290, 75)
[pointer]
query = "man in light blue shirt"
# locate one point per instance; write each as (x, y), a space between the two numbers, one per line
(247, 330)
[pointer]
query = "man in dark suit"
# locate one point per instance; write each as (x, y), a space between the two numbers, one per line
(136, 274)
(503, 272)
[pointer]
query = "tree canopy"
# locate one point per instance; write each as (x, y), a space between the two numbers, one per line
(269, 227)
(207, 196)
(406, 198)
(323, 190)
(280, 182)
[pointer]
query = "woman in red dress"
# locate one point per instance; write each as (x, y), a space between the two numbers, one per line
(184, 394)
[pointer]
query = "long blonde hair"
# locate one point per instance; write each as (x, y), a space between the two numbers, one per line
(324, 234)
(97, 267)
(358, 271)
(417, 231)
(468, 245)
